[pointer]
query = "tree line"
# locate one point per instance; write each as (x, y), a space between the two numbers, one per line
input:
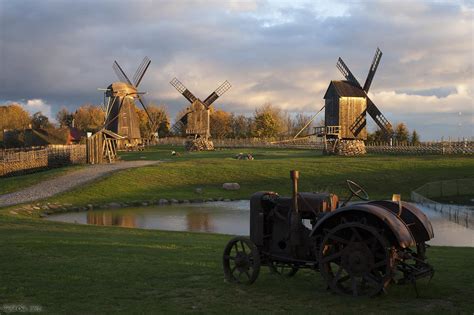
(267, 121)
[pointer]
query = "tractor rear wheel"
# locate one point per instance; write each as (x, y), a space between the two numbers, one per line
(356, 259)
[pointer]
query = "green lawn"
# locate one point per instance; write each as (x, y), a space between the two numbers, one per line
(11, 184)
(76, 269)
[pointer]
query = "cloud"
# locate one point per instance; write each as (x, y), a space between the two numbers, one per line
(271, 51)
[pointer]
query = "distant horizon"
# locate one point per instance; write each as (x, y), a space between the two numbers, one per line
(271, 52)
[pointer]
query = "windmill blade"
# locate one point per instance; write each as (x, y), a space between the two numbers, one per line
(120, 74)
(379, 118)
(224, 87)
(138, 76)
(183, 90)
(180, 123)
(142, 101)
(373, 68)
(346, 72)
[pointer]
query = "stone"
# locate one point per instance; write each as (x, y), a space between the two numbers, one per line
(114, 205)
(36, 208)
(163, 202)
(346, 147)
(185, 201)
(13, 212)
(197, 201)
(227, 200)
(198, 190)
(43, 215)
(199, 144)
(144, 204)
(173, 201)
(231, 186)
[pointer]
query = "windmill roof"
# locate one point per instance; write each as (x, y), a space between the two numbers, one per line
(345, 88)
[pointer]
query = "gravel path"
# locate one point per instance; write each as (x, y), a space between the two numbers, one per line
(66, 182)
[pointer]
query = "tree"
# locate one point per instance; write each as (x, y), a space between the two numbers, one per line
(268, 121)
(220, 124)
(415, 138)
(40, 121)
(160, 121)
(241, 126)
(13, 116)
(64, 117)
(401, 133)
(89, 118)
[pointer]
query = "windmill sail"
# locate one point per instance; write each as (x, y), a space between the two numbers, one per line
(224, 87)
(183, 90)
(346, 72)
(379, 118)
(138, 76)
(373, 68)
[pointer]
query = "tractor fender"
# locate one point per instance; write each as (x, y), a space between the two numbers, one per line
(397, 229)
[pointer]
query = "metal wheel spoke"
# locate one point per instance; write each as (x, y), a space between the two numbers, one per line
(233, 269)
(229, 257)
(332, 257)
(248, 274)
(354, 285)
(243, 247)
(335, 280)
(356, 233)
(372, 279)
(338, 239)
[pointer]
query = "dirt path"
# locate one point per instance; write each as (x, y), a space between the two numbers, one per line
(66, 182)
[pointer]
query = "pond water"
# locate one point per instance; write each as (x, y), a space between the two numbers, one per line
(228, 218)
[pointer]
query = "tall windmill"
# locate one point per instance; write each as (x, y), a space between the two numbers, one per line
(121, 116)
(346, 106)
(196, 120)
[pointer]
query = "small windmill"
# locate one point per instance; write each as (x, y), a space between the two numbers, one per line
(121, 117)
(346, 107)
(196, 120)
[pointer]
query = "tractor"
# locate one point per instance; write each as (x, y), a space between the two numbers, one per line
(359, 248)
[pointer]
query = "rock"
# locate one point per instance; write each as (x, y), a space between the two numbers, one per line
(198, 190)
(209, 200)
(163, 202)
(144, 204)
(43, 215)
(231, 186)
(173, 201)
(185, 201)
(199, 144)
(36, 208)
(227, 200)
(114, 205)
(13, 212)
(197, 201)
(347, 147)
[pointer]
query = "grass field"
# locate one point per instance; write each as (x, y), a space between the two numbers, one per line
(180, 176)
(76, 269)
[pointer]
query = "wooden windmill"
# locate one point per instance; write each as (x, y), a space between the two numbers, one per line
(196, 120)
(347, 105)
(121, 116)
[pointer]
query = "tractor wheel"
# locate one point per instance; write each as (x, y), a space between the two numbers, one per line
(355, 259)
(241, 261)
(282, 269)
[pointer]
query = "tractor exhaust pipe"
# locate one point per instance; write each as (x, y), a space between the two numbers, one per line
(294, 175)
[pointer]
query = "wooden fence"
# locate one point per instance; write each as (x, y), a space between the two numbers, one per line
(461, 214)
(424, 148)
(24, 160)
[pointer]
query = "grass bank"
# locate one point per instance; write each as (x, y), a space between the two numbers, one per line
(180, 176)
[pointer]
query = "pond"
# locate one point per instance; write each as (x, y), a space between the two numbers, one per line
(228, 218)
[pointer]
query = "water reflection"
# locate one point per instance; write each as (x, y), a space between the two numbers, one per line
(230, 218)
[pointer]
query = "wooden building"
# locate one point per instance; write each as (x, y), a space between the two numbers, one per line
(345, 110)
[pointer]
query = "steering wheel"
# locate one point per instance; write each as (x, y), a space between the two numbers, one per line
(356, 190)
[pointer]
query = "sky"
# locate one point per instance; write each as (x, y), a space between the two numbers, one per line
(58, 53)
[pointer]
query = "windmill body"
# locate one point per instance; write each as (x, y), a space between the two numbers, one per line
(346, 107)
(196, 120)
(121, 115)
(122, 118)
